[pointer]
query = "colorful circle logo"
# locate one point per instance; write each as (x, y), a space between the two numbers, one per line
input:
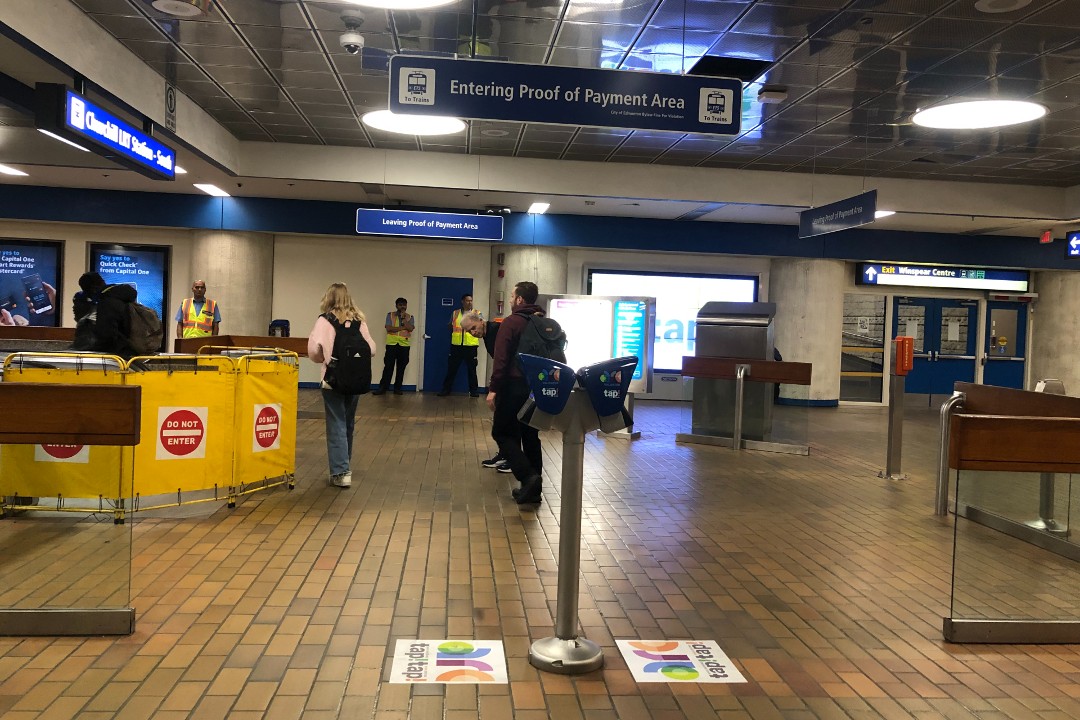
(456, 647)
(679, 672)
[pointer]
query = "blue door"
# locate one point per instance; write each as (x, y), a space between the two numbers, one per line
(443, 297)
(944, 332)
(1006, 344)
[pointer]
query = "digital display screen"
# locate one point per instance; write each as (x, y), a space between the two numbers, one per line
(144, 267)
(678, 299)
(587, 324)
(30, 292)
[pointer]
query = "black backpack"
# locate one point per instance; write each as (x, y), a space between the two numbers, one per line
(146, 330)
(544, 337)
(349, 369)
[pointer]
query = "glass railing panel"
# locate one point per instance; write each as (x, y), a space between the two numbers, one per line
(1013, 556)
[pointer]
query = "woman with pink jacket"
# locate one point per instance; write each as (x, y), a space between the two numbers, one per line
(337, 307)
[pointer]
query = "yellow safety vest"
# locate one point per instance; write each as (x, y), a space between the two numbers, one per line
(396, 337)
(459, 336)
(200, 324)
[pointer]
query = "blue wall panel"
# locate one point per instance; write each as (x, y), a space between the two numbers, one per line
(336, 218)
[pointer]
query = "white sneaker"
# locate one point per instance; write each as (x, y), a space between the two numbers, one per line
(343, 480)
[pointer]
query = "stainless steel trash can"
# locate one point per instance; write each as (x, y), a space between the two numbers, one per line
(733, 330)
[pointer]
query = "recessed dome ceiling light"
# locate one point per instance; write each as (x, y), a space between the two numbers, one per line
(182, 8)
(979, 114)
(401, 4)
(493, 132)
(413, 124)
(1000, 6)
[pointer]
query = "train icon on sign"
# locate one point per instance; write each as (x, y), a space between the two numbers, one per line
(715, 105)
(416, 86)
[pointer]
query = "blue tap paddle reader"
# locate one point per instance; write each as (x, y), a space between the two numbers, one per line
(551, 383)
(606, 383)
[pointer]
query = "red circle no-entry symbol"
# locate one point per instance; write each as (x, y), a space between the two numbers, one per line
(62, 452)
(266, 427)
(182, 433)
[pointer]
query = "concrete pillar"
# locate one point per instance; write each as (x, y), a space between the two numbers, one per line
(545, 266)
(809, 297)
(238, 268)
(1054, 319)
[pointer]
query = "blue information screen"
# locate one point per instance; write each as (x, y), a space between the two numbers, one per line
(105, 129)
(144, 267)
(30, 292)
(1072, 245)
(630, 319)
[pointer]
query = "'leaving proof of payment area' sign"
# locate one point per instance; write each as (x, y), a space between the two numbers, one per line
(413, 223)
(941, 276)
(491, 90)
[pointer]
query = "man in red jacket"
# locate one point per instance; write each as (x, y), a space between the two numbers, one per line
(519, 444)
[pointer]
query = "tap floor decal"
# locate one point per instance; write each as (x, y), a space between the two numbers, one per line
(678, 661)
(449, 661)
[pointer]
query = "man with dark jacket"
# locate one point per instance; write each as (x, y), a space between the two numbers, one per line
(112, 326)
(518, 443)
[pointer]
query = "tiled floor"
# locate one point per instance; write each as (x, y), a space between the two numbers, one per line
(825, 585)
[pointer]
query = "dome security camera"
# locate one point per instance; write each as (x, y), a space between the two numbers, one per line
(352, 42)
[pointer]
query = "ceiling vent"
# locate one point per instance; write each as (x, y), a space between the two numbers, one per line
(182, 8)
(743, 69)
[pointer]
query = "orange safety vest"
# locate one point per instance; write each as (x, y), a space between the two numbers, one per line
(201, 324)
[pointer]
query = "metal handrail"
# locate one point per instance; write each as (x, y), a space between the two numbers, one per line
(941, 504)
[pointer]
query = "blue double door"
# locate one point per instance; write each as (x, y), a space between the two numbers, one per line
(946, 343)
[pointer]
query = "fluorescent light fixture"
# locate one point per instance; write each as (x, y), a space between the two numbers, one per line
(401, 4)
(979, 114)
(179, 170)
(63, 140)
(5, 170)
(211, 190)
(538, 208)
(878, 214)
(413, 124)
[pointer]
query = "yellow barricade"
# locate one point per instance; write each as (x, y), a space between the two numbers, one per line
(63, 471)
(266, 398)
(187, 423)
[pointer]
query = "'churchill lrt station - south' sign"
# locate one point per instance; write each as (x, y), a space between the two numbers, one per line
(493, 90)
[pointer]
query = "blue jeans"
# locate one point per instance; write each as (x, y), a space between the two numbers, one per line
(340, 418)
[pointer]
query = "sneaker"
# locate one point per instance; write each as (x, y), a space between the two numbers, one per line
(474, 395)
(504, 467)
(398, 392)
(342, 480)
(442, 393)
(493, 462)
(529, 492)
(380, 391)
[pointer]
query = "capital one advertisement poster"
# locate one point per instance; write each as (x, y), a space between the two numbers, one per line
(30, 292)
(144, 267)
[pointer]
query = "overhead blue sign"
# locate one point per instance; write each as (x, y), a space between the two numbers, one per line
(630, 318)
(840, 215)
(90, 122)
(1072, 245)
(410, 223)
(941, 276)
(490, 90)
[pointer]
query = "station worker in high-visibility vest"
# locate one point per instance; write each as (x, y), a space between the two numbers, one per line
(462, 350)
(399, 329)
(198, 316)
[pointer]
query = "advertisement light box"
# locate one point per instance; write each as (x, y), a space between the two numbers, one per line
(30, 291)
